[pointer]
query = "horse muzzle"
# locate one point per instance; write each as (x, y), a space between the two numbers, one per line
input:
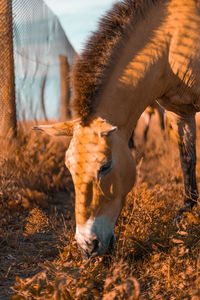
(95, 248)
(95, 237)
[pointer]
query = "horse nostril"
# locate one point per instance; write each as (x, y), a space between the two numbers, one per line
(95, 245)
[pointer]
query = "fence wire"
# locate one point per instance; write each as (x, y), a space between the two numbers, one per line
(38, 42)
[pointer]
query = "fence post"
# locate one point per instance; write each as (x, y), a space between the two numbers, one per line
(8, 123)
(65, 112)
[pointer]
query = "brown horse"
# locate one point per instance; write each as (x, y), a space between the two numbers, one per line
(143, 50)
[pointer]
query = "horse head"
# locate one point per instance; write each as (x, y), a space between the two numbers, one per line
(103, 172)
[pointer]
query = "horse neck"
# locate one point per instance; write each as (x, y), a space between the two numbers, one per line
(138, 76)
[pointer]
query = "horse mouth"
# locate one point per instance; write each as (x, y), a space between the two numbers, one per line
(104, 249)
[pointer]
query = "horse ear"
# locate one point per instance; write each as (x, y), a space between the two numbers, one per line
(108, 131)
(58, 129)
(105, 128)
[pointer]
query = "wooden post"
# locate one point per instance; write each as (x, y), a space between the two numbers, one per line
(8, 123)
(65, 112)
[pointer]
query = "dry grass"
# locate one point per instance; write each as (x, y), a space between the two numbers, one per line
(39, 258)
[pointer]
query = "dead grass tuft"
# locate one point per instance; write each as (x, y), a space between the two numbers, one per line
(37, 222)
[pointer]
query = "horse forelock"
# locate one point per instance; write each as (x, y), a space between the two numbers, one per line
(101, 52)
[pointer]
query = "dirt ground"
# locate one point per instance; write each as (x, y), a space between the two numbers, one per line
(39, 258)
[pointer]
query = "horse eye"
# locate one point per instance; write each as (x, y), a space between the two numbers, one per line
(104, 169)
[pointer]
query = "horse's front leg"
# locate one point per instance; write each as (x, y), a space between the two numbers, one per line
(186, 130)
(187, 148)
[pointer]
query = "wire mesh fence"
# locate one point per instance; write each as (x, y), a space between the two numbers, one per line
(31, 36)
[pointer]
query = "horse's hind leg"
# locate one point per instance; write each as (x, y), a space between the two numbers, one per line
(186, 131)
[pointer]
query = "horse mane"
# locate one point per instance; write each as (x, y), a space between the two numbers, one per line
(100, 53)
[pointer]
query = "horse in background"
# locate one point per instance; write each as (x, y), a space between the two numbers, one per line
(148, 113)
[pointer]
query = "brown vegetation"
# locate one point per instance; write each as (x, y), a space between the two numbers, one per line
(39, 259)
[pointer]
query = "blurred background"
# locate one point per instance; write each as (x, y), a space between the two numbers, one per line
(79, 18)
(40, 41)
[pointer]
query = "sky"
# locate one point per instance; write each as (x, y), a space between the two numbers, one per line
(79, 18)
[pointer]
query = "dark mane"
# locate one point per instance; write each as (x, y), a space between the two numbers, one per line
(94, 64)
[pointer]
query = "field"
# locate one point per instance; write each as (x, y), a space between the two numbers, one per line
(39, 258)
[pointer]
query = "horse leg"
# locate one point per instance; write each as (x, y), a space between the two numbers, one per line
(161, 117)
(147, 124)
(187, 148)
(186, 130)
(131, 142)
